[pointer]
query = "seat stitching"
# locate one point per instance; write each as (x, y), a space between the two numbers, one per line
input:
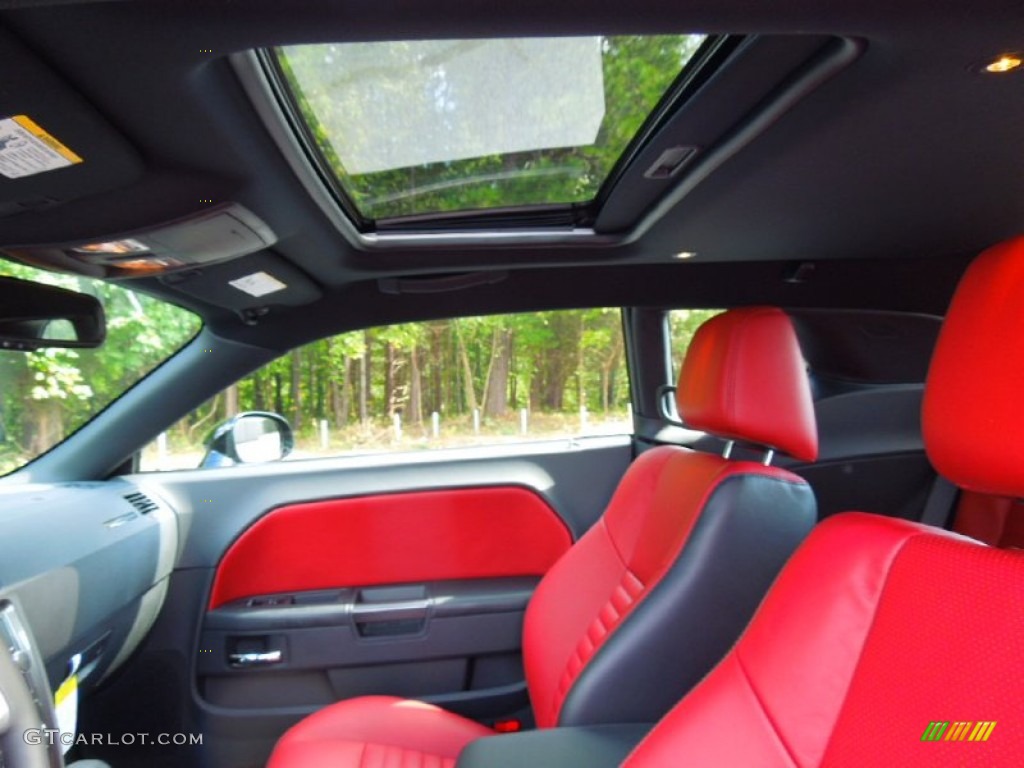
(856, 665)
(764, 710)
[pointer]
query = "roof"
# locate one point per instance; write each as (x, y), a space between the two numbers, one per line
(886, 162)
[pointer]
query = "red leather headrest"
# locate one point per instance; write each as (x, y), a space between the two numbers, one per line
(744, 378)
(973, 414)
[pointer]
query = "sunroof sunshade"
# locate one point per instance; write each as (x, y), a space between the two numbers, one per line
(427, 127)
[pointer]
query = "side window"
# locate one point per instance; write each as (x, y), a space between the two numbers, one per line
(435, 384)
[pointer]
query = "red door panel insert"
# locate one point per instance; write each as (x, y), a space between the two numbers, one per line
(465, 533)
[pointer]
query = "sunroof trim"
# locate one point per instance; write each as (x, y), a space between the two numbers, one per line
(267, 101)
(712, 53)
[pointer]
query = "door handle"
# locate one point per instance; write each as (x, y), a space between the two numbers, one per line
(390, 618)
(390, 611)
(254, 659)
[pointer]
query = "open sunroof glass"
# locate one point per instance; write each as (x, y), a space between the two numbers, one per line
(430, 127)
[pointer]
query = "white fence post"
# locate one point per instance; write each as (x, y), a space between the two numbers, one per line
(435, 423)
(161, 449)
(325, 436)
(476, 421)
(396, 422)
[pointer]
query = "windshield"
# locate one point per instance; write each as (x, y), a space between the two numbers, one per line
(47, 395)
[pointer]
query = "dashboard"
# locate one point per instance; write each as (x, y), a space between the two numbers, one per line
(84, 571)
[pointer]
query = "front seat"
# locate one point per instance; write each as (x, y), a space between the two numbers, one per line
(886, 642)
(650, 598)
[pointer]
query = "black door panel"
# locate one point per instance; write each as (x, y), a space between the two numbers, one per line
(456, 642)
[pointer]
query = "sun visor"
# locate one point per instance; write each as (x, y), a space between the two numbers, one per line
(54, 146)
(250, 286)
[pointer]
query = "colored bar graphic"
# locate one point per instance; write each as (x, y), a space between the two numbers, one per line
(983, 730)
(961, 730)
(958, 731)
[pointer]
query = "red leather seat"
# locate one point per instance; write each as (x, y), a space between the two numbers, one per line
(649, 599)
(886, 642)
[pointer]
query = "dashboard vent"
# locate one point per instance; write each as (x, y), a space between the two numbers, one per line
(141, 502)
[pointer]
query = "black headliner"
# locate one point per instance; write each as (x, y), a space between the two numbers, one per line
(902, 167)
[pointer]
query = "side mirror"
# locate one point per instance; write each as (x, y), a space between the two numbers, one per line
(254, 437)
(37, 316)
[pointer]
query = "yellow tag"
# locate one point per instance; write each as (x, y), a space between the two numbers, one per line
(26, 149)
(32, 127)
(66, 708)
(67, 688)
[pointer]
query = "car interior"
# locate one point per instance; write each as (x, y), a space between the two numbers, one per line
(776, 520)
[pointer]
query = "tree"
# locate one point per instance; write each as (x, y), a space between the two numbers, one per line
(496, 389)
(467, 370)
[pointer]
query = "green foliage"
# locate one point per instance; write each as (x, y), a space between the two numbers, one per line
(637, 71)
(47, 395)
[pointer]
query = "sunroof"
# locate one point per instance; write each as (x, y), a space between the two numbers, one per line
(431, 127)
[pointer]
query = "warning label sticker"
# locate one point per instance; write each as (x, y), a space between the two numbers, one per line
(26, 149)
(258, 284)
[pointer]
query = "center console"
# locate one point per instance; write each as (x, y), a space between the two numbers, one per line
(595, 746)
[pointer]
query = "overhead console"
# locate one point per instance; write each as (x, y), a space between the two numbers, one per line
(223, 233)
(219, 256)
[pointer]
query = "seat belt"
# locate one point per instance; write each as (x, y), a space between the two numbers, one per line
(939, 505)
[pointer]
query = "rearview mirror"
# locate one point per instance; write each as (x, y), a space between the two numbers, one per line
(36, 316)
